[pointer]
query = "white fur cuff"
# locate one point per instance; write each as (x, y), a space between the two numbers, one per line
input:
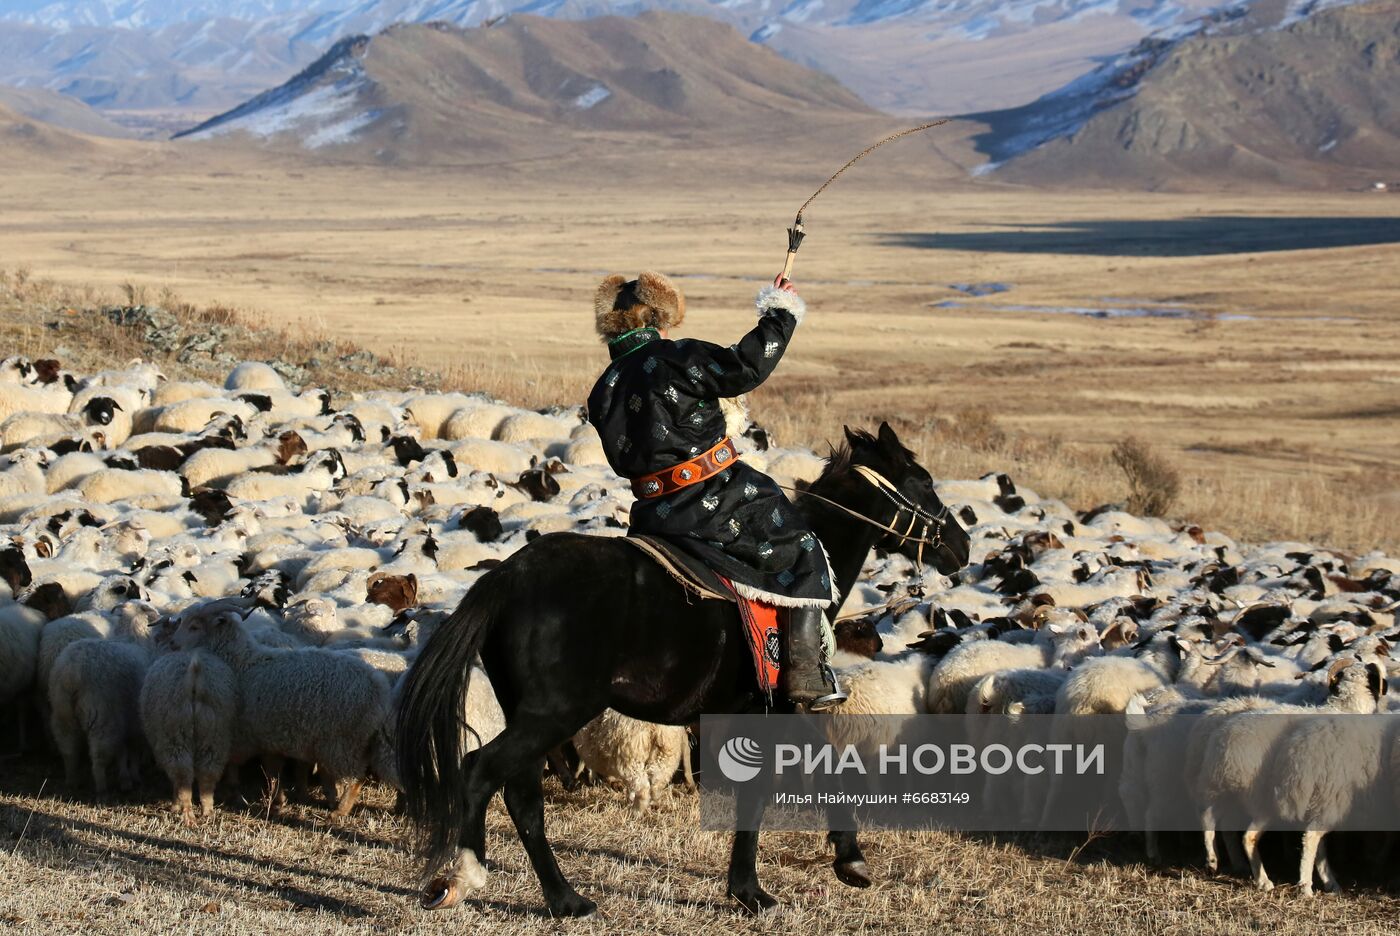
(771, 298)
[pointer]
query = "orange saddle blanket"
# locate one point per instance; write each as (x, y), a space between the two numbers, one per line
(759, 622)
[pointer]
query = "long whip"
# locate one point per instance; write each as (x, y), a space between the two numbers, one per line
(796, 233)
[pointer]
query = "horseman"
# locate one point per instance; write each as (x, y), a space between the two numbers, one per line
(657, 409)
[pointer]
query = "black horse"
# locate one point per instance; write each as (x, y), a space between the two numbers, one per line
(571, 625)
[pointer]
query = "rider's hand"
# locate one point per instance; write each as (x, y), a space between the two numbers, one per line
(784, 283)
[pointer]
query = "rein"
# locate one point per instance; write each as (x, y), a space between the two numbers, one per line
(930, 522)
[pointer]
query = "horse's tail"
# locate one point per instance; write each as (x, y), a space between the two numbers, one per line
(432, 731)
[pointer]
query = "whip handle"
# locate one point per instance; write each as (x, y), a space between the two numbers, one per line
(787, 266)
(795, 235)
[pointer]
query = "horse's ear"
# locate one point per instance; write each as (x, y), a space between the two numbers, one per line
(888, 439)
(851, 438)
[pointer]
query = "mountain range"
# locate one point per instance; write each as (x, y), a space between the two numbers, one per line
(902, 56)
(1291, 92)
(529, 86)
(1298, 93)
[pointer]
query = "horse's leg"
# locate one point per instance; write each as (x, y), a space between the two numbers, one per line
(524, 796)
(521, 746)
(850, 864)
(743, 857)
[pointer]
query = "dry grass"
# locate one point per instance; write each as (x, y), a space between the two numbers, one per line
(1358, 511)
(74, 867)
(1153, 483)
(40, 318)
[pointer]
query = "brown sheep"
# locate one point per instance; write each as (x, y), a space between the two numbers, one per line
(395, 592)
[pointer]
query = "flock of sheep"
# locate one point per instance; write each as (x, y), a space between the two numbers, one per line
(203, 577)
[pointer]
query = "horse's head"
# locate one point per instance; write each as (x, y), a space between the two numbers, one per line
(905, 501)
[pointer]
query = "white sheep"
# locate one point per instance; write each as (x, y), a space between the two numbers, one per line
(524, 426)
(113, 485)
(1105, 685)
(36, 430)
(189, 709)
(481, 711)
(377, 418)
(110, 409)
(345, 432)
(17, 369)
(477, 419)
(498, 458)
(25, 399)
(794, 465)
(93, 692)
(354, 559)
(193, 415)
(1154, 758)
(217, 466)
(255, 375)
(69, 470)
(138, 374)
(1228, 756)
(585, 451)
(178, 391)
(431, 412)
(287, 406)
(25, 474)
(641, 755)
(997, 692)
(878, 691)
(313, 620)
(1325, 770)
(1055, 644)
(320, 473)
(308, 705)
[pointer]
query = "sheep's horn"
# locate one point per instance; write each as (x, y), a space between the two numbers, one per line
(1222, 657)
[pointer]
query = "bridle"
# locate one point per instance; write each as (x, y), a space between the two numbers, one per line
(929, 525)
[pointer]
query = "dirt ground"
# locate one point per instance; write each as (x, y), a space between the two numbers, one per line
(131, 866)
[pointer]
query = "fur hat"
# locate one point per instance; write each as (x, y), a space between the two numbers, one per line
(649, 300)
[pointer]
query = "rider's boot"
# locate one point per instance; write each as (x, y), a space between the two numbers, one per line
(807, 679)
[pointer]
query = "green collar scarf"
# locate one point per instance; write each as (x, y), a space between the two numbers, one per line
(628, 342)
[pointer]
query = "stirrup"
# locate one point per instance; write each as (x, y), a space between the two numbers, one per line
(832, 699)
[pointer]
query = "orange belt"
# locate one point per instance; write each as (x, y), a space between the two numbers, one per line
(699, 468)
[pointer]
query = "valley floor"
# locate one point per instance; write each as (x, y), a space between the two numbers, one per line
(1250, 337)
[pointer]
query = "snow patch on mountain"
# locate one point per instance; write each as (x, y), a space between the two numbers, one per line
(800, 11)
(1064, 111)
(765, 32)
(592, 97)
(322, 106)
(1301, 9)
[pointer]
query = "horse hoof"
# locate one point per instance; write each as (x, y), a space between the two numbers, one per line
(852, 873)
(755, 901)
(574, 907)
(441, 893)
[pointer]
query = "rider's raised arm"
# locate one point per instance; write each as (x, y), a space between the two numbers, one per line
(746, 364)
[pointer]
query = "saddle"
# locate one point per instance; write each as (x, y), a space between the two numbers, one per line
(759, 620)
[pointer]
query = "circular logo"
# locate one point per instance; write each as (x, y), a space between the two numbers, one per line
(740, 759)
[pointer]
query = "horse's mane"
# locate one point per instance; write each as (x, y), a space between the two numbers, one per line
(843, 456)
